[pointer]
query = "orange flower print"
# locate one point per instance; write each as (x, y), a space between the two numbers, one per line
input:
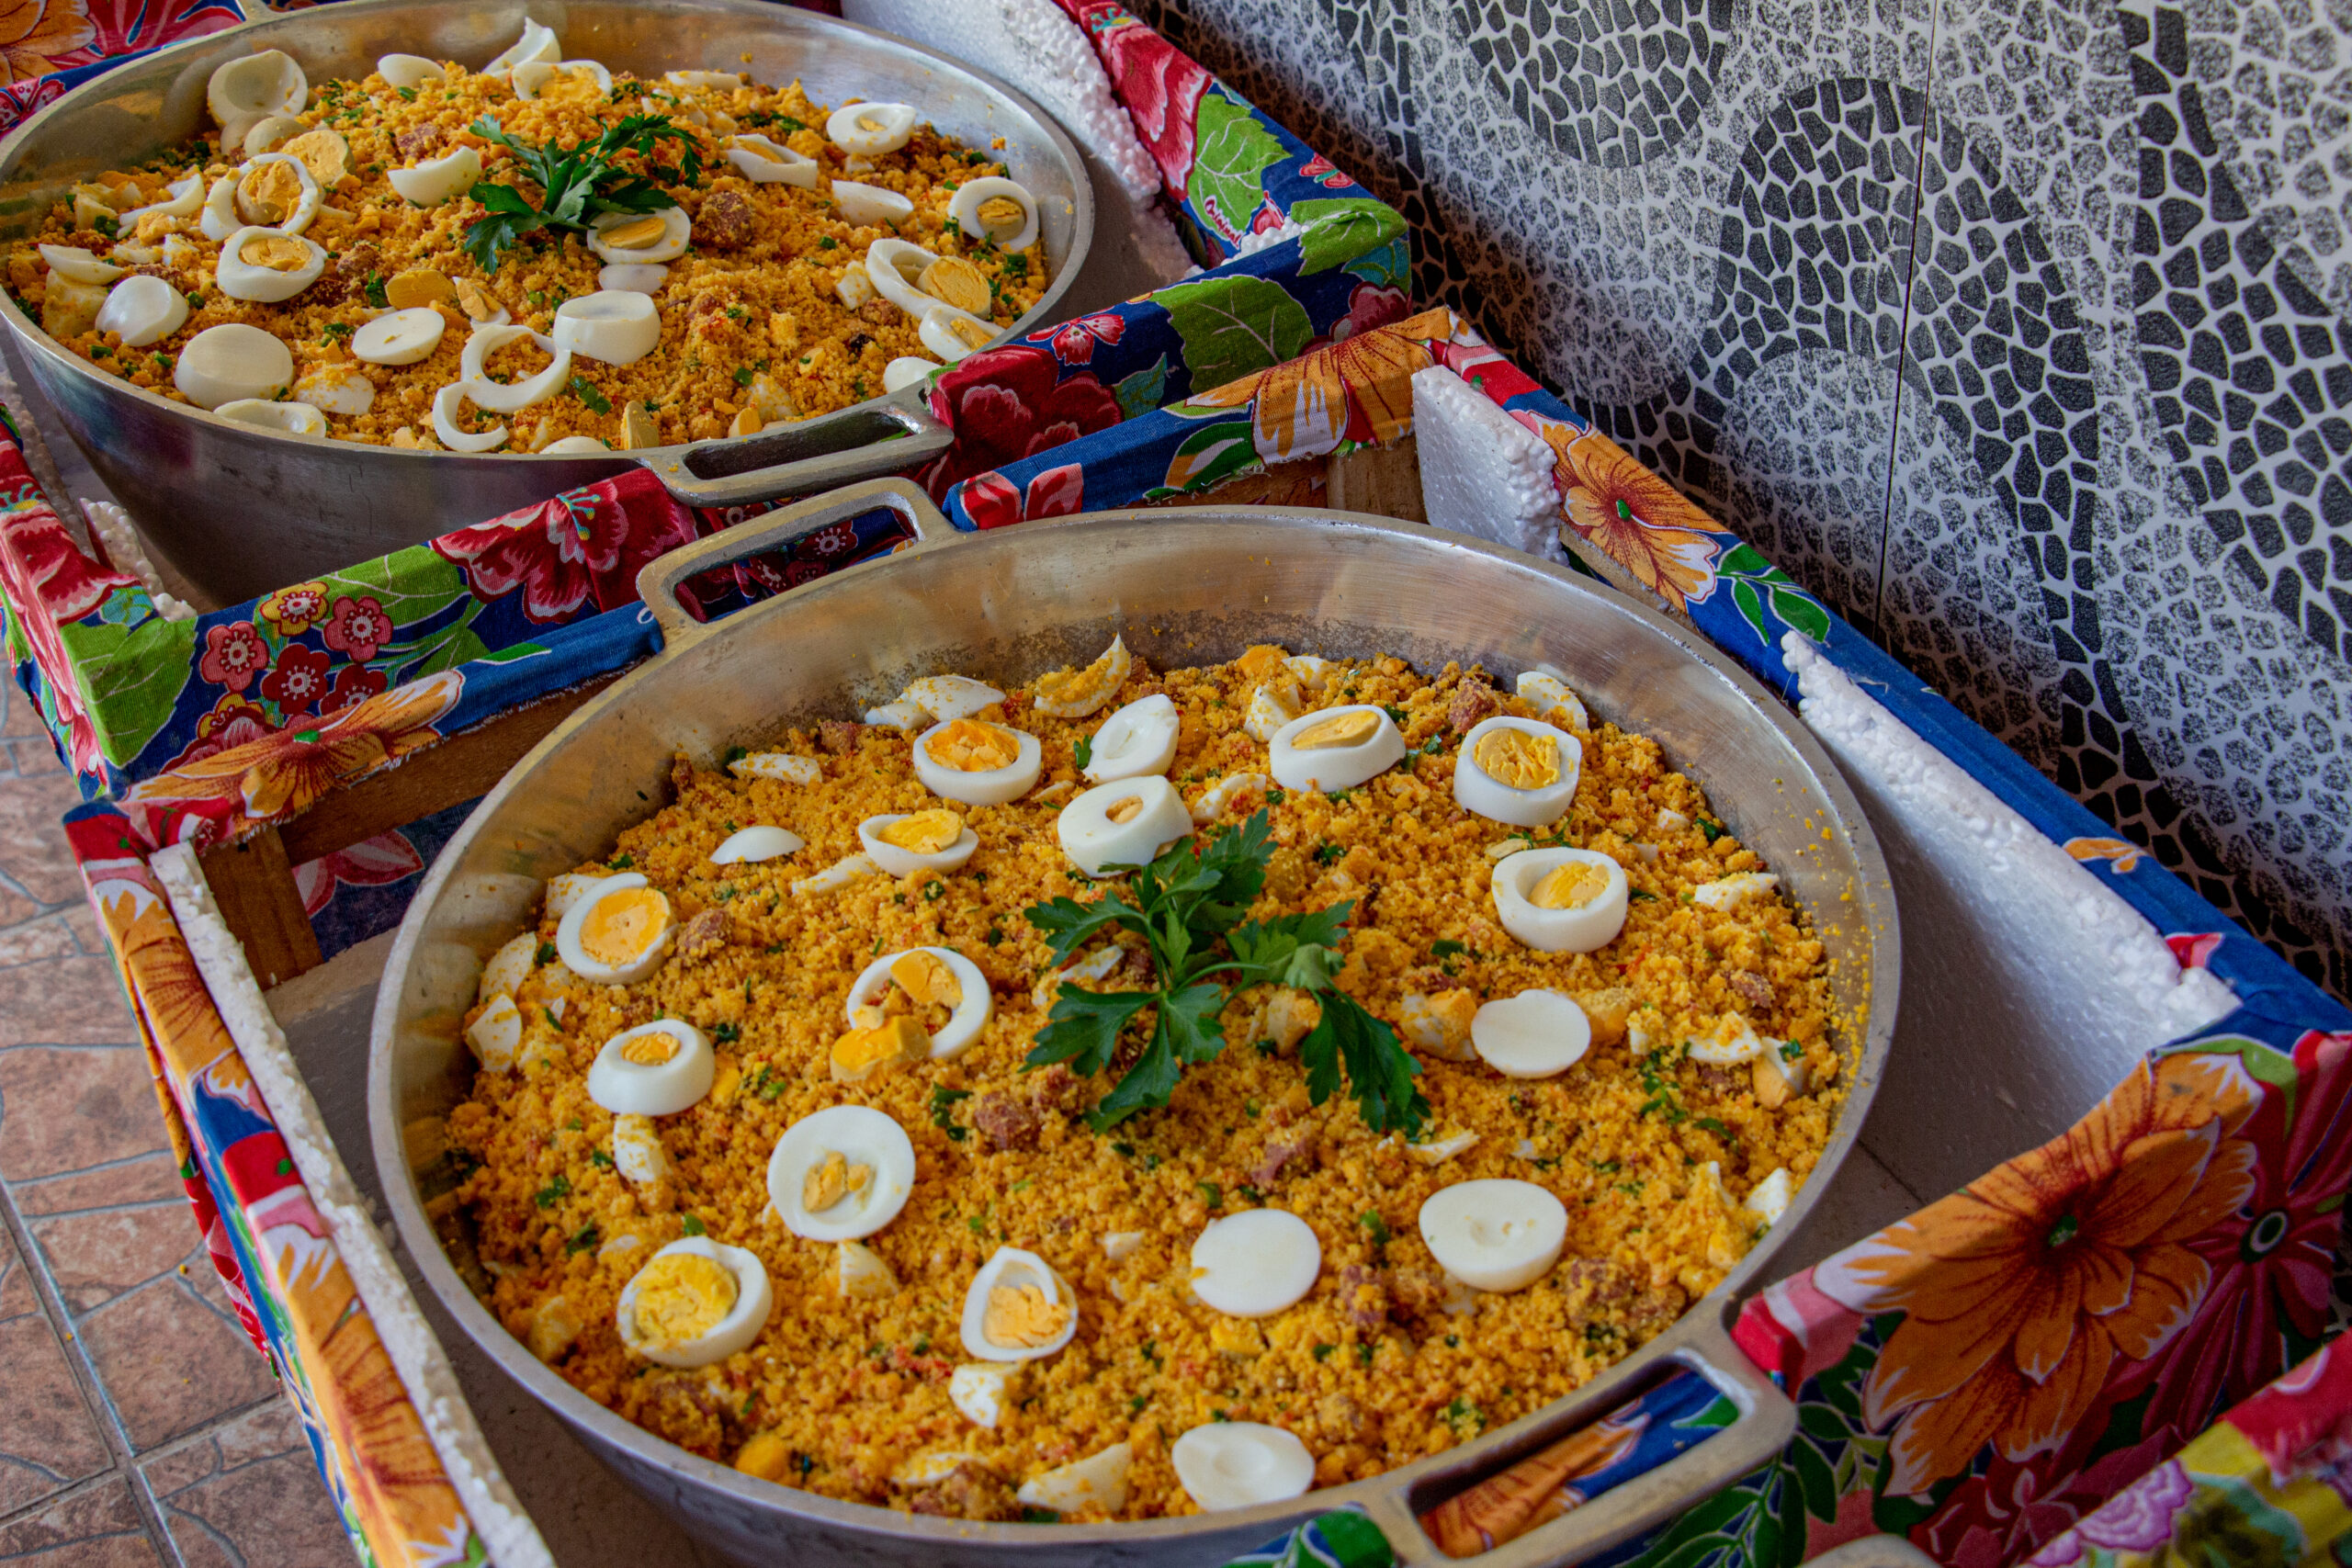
(293, 610)
(2022, 1290)
(34, 34)
(1636, 518)
(1359, 388)
(181, 1020)
(281, 774)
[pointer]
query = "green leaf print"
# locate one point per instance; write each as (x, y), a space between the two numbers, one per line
(1233, 152)
(1340, 231)
(1233, 325)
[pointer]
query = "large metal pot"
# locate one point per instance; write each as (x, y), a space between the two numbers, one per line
(1184, 587)
(241, 511)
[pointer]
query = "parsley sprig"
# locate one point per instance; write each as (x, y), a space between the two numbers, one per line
(1188, 905)
(578, 184)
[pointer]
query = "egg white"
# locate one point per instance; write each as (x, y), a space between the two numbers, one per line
(751, 845)
(754, 1298)
(1555, 701)
(1476, 790)
(766, 163)
(615, 326)
(896, 860)
(977, 1389)
(1014, 1268)
(862, 1136)
(676, 230)
(400, 337)
(1240, 1464)
(1535, 1034)
(1101, 847)
(142, 309)
(306, 206)
(664, 1090)
(1495, 1234)
(892, 126)
(973, 195)
(993, 786)
(964, 1024)
(233, 360)
(1333, 768)
(1585, 929)
(1255, 1263)
(577, 958)
(1139, 738)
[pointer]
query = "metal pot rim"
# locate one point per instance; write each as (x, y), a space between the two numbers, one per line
(1699, 1334)
(662, 459)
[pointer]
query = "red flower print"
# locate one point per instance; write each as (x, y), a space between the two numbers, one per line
(831, 540)
(2271, 1262)
(233, 721)
(1371, 306)
(299, 679)
(43, 557)
(1057, 492)
(2192, 949)
(1160, 84)
(1006, 404)
(233, 655)
(584, 544)
(372, 863)
(353, 683)
(1480, 365)
(293, 610)
(992, 502)
(358, 628)
(1320, 170)
(1074, 341)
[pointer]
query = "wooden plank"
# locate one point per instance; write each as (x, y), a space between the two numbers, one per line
(253, 882)
(440, 776)
(1383, 480)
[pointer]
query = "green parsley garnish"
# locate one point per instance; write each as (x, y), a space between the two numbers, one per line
(1712, 830)
(585, 390)
(374, 290)
(1642, 893)
(546, 953)
(582, 1239)
(1446, 947)
(1375, 1226)
(600, 1159)
(942, 1109)
(693, 1225)
(1083, 753)
(546, 1197)
(1184, 905)
(727, 1033)
(622, 862)
(578, 184)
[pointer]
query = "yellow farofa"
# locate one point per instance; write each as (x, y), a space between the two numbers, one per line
(759, 327)
(838, 1393)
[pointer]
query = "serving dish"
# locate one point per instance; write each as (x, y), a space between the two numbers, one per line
(1182, 589)
(196, 481)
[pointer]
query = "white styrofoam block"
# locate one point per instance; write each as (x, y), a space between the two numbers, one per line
(1483, 473)
(2030, 989)
(112, 524)
(1266, 238)
(424, 1371)
(1033, 45)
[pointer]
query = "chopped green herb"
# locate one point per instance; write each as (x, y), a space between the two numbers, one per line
(1376, 1226)
(727, 1033)
(1211, 1193)
(600, 1159)
(1462, 1414)
(693, 1225)
(742, 375)
(826, 242)
(1397, 716)
(373, 289)
(1713, 830)
(1032, 1516)
(622, 862)
(933, 890)
(578, 184)
(1716, 1126)
(338, 330)
(942, 1109)
(1640, 893)
(585, 390)
(1364, 1352)
(553, 1021)
(1328, 854)
(1446, 947)
(1323, 1352)
(547, 1196)
(582, 1239)
(1135, 1405)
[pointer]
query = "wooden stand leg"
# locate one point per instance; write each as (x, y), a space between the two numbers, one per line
(254, 884)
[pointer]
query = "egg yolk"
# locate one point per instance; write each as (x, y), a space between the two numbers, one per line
(1570, 886)
(923, 977)
(272, 191)
(1078, 685)
(1126, 810)
(681, 1296)
(832, 1180)
(1452, 1011)
(650, 1050)
(1339, 729)
(1261, 661)
(274, 251)
(623, 927)
(1517, 759)
(925, 832)
(643, 234)
(970, 746)
(863, 1052)
(1021, 1315)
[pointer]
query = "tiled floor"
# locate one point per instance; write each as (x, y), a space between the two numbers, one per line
(137, 1423)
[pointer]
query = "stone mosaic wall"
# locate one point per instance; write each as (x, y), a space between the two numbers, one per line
(2016, 330)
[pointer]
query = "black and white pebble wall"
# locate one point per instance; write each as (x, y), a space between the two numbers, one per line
(2020, 332)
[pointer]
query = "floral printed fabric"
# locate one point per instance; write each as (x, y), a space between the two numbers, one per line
(397, 1504)
(51, 47)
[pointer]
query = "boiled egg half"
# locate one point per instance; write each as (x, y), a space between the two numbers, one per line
(1114, 826)
(1240, 1464)
(642, 238)
(749, 845)
(1336, 749)
(655, 1069)
(1255, 1263)
(920, 841)
(222, 364)
(618, 931)
(976, 762)
(1139, 738)
(842, 1174)
(1534, 1034)
(931, 976)
(268, 266)
(1561, 900)
(696, 1302)
(1516, 770)
(1018, 1309)
(1495, 1235)
(1074, 693)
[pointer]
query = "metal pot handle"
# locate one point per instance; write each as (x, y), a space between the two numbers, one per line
(658, 579)
(1765, 1421)
(884, 436)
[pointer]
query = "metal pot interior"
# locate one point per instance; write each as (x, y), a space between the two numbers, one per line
(1183, 587)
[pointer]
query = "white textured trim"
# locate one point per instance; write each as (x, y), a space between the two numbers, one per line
(1483, 473)
(120, 540)
(424, 1370)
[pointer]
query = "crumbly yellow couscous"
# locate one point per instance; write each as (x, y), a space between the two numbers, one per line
(851, 1387)
(768, 317)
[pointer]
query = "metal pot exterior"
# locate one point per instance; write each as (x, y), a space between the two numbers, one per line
(239, 510)
(1183, 587)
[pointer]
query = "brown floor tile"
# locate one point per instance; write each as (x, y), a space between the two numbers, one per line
(32, 841)
(36, 757)
(97, 1526)
(32, 941)
(63, 1001)
(83, 920)
(22, 716)
(247, 1493)
(14, 906)
(94, 1258)
(149, 1179)
(170, 1361)
(48, 1438)
(70, 1110)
